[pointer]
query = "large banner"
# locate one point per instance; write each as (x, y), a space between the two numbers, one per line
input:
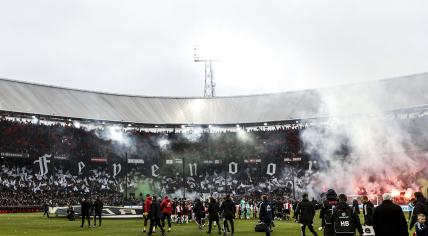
(108, 212)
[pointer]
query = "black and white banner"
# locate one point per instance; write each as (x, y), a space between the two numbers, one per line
(108, 212)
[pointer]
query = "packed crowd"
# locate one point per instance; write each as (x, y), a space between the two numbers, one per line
(21, 185)
(33, 140)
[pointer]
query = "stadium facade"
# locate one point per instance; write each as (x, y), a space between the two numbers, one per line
(62, 161)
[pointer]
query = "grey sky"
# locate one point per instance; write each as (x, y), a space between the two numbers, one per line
(146, 47)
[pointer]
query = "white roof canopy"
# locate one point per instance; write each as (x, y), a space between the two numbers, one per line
(23, 97)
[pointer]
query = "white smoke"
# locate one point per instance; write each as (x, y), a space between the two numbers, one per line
(192, 134)
(163, 143)
(363, 150)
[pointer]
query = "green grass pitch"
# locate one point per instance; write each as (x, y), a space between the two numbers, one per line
(33, 224)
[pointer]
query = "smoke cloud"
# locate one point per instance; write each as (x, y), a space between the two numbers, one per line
(363, 149)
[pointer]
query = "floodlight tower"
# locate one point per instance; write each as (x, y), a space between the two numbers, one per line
(209, 88)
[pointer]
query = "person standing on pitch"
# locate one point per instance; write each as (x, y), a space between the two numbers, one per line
(46, 209)
(421, 204)
(146, 208)
(228, 208)
(199, 210)
(166, 207)
(85, 212)
(98, 207)
(345, 219)
(266, 214)
(213, 210)
(305, 213)
(155, 216)
(389, 219)
(326, 213)
(368, 209)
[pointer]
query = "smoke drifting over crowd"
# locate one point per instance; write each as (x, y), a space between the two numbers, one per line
(366, 149)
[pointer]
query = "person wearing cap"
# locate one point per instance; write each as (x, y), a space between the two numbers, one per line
(389, 219)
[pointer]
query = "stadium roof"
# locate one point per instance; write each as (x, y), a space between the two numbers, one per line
(22, 97)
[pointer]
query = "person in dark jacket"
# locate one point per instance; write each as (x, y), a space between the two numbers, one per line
(46, 209)
(305, 213)
(199, 210)
(326, 213)
(368, 209)
(356, 206)
(98, 210)
(228, 208)
(213, 216)
(420, 208)
(266, 213)
(85, 209)
(389, 219)
(155, 216)
(346, 221)
(71, 213)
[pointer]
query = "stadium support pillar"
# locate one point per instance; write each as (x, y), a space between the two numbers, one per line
(126, 176)
(225, 175)
(184, 181)
(294, 189)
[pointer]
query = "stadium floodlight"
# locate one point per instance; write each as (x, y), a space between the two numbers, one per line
(237, 126)
(156, 126)
(206, 58)
(265, 124)
(129, 125)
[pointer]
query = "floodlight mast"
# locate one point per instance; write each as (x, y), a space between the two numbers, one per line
(209, 88)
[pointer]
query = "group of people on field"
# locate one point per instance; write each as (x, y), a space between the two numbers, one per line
(339, 217)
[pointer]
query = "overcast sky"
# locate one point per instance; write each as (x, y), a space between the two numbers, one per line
(146, 47)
